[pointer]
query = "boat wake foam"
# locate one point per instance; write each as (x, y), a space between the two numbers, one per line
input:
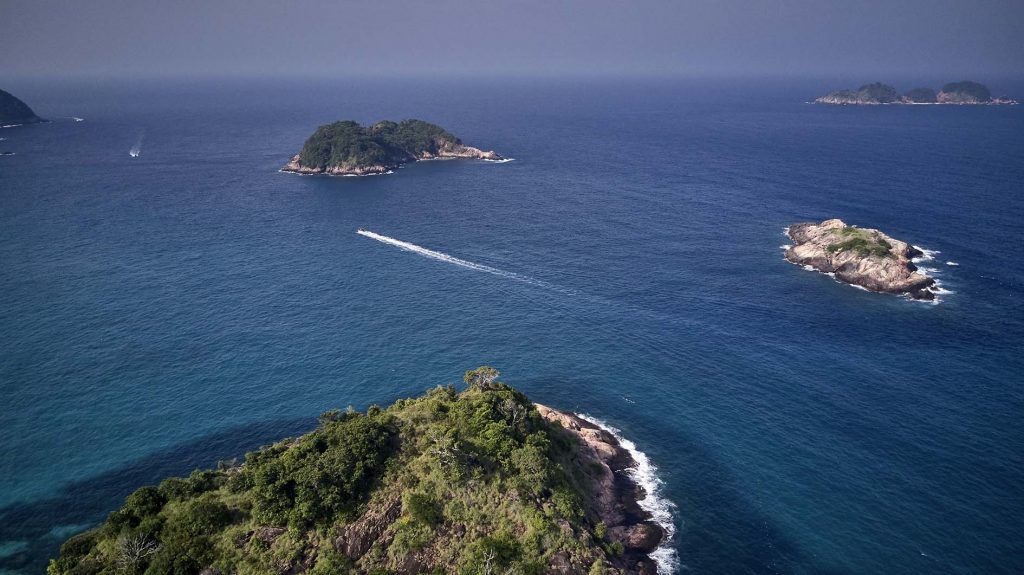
(645, 474)
(136, 150)
(440, 256)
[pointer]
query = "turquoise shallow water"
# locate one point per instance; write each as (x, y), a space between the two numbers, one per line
(165, 311)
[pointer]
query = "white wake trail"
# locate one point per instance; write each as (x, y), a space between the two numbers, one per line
(136, 150)
(410, 247)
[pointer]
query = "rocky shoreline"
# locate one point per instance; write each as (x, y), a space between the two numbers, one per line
(861, 257)
(617, 496)
(453, 153)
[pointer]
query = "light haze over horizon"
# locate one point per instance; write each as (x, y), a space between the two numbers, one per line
(943, 38)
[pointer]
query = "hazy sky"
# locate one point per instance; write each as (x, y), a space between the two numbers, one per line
(592, 37)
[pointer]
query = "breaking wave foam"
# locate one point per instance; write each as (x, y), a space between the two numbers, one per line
(928, 255)
(645, 474)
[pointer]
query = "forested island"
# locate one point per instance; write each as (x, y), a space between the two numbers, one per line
(965, 92)
(14, 112)
(859, 256)
(348, 149)
(480, 481)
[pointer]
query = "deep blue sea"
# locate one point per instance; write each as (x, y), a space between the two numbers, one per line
(163, 312)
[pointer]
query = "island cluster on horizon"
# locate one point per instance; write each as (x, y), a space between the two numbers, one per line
(954, 93)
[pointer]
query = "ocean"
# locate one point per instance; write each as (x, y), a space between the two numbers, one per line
(167, 310)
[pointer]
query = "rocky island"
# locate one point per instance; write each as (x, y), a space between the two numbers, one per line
(477, 481)
(14, 112)
(347, 149)
(965, 92)
(859, 256)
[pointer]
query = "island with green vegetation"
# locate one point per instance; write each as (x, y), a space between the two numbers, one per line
(14, 112)
(965, 92)
(348, 149)
(480, 481)
(859, 256)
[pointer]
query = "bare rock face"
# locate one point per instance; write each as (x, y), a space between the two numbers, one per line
(296, 167)
(615, 494)
(860, 256)
(357, 537)
(643, 537)
(459, 151)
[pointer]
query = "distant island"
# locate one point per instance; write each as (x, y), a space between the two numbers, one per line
(859, 256)
(965, 92)
(472, 482)
(14, 112)
(347, 149)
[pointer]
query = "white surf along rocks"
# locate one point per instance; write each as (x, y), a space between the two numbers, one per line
(862, 257)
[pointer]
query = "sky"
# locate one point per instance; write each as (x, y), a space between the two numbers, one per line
(512, 37)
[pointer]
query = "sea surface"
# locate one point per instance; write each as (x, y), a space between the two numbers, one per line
(168, 310)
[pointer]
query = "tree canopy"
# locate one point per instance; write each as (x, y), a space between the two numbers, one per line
(350, 145)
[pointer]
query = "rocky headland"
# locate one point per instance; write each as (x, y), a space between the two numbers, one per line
(477, 481)
(859, 256)
(615, 495)
(965, 92)
(14, 112)
(347, 149)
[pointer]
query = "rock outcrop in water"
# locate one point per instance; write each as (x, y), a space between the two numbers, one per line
(965, 92)
(860, 256)
(348, 149)
(481, 481)
(14, 112)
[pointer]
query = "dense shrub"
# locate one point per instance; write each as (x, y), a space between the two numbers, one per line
(323, 477)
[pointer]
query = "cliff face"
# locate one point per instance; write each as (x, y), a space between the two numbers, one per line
(480, 481)
(614, 496)
(14, 112)
(859, 256)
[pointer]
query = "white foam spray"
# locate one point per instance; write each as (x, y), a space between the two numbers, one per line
(410, 247)
(645, 474)
(136, 150)
(926, 255)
